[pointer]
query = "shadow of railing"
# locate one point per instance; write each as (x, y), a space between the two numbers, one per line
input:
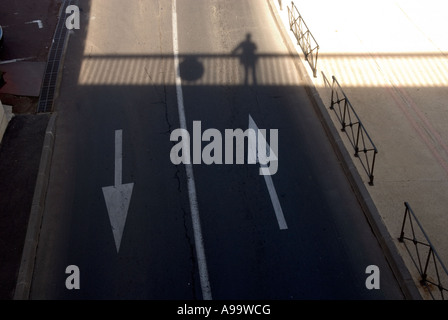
(357, 134)
(429, 265)
(195, 69)
(304, 37)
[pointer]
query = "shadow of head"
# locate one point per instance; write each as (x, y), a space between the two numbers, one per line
(191, 69)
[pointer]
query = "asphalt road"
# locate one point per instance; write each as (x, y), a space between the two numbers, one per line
(119, 89)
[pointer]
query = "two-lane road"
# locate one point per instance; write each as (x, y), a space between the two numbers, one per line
(135, 72)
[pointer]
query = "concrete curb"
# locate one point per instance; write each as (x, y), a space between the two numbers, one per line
(26, 270)
(393, 257)
(25, 275)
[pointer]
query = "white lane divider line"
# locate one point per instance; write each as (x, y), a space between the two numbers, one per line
(199, 242)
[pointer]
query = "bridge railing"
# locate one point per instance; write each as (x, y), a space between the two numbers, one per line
(433, 273)
(351, 124)
(304, 38)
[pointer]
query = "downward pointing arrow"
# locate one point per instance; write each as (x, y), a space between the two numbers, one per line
(118, 196)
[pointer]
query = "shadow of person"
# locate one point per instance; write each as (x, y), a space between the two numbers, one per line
(248, 58)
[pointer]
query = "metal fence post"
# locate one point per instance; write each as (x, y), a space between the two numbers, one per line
(406, 211)
(373, 166)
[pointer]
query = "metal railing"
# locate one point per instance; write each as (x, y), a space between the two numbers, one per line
(357, 134)
(429, 265)
(304, 37)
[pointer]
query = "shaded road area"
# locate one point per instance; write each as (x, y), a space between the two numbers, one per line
(135, 87)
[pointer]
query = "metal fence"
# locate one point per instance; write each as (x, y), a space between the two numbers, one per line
(357, 134)
(304, 37)
(431, 269)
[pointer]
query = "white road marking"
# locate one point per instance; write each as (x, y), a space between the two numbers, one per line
(253, 158)
(118, 196)
(118, 156)
(199, 242)
(15, 60)
(39, 23)
(275, 202)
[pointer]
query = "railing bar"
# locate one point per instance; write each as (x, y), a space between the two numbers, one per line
(425, 274)
(431, 257)
(414, 241)
(418, 242)
(303, 36)
(427, 238)
(412, 258)
(354, 112)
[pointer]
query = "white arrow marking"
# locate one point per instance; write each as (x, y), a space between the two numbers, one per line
(253, 157)
(118, 196)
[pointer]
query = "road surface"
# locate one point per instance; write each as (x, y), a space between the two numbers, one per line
(138, 226)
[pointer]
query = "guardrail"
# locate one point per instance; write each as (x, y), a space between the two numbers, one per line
(432, 269)
(304, 37)
(357, 134)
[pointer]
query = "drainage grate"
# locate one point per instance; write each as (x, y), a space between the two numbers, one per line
(48, 88)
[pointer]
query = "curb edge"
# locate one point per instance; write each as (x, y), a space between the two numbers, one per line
(24, 278)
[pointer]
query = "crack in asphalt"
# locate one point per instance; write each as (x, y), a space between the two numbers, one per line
(163, 100)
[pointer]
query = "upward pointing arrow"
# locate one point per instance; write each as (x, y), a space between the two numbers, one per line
(118, 196)
(257, 156)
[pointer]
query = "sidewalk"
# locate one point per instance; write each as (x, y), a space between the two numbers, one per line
(20, 155)
(23, 58)
(391, 60)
